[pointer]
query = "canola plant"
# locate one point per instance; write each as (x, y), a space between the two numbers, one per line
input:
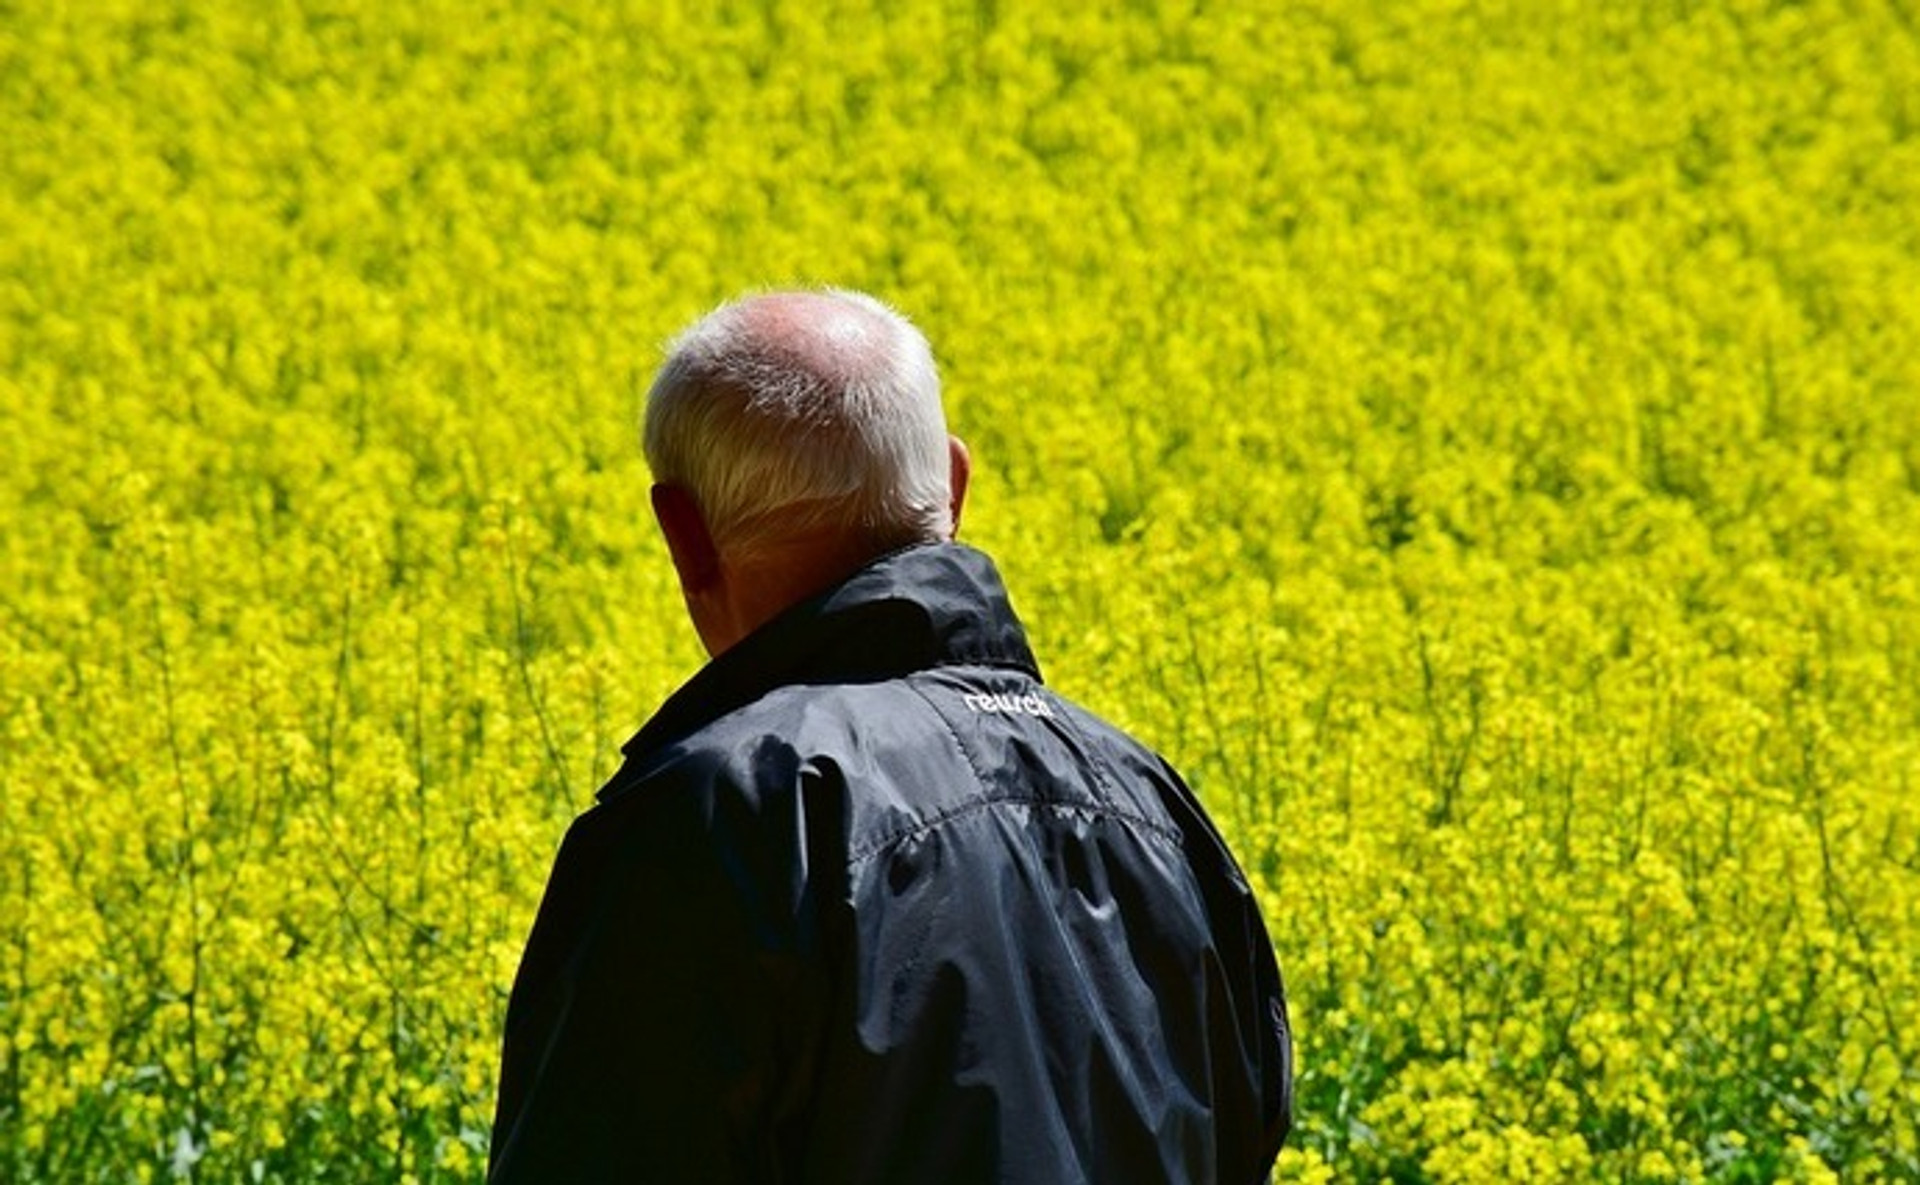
(1478, 440)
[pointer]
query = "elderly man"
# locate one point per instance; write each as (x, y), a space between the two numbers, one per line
(867, 902)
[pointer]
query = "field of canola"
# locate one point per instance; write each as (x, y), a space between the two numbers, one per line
(1479, 440)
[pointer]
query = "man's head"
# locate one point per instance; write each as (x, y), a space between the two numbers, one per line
(793, 436)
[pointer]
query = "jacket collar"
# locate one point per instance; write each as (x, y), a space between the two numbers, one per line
(929, 605)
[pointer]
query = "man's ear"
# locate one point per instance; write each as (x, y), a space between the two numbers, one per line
(688, 541)
(959, 470)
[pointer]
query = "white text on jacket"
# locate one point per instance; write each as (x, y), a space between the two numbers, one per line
(1008, 704)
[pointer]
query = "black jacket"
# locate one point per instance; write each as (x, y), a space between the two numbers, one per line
(868, 903)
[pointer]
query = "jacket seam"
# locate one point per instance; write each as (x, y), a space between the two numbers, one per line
(1095, 810)
(979, 775)
(868, 851)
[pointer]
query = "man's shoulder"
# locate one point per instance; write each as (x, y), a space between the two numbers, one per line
(771, 750)
(789, 727)
(905, 749)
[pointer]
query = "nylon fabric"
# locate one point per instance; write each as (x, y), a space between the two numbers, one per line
(867, 902)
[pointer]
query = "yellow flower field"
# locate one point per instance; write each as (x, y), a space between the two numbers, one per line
(1478, 440)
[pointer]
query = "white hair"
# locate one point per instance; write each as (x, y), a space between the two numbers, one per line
(787, 413)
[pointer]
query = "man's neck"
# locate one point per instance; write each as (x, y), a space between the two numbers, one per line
(757, 587)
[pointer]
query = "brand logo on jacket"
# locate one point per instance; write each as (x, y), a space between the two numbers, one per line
(1002, 703)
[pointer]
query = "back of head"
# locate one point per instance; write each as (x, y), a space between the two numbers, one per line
(795, 414)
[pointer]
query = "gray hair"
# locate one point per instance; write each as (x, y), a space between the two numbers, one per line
(792, 412)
